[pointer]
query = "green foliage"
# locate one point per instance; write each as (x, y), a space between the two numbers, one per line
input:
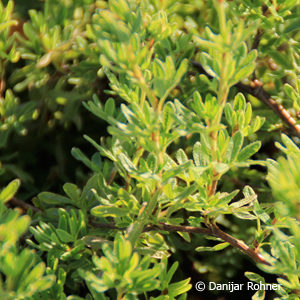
(12, 113)
(128, 273)
(184, 154)
(283, 177)
(8, 45)
(22, 271)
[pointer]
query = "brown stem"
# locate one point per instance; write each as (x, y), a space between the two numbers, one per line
(2, 87)
(213, 230)
(112, 176)
(265, 97)
(262, 95)
(217, 232)
(257, 38)
(23, 205)
(213, 187)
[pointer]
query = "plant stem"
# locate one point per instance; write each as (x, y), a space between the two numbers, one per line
(213, 230)
(222, 94)
(262, 95)
(221, 14)
(146, 91)
(222, 97)
(137, 227)
(147, 209)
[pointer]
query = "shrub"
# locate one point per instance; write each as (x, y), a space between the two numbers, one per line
(184, 166)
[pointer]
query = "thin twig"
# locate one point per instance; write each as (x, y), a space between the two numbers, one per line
(23, 205)
(257, 38)
(217, 232)
(2, 87)
(214, 230)
(261, 94)
(175, 228)
(256, 41)
(265, 97)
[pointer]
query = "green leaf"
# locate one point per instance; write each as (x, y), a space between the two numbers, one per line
(104, 264)
(54, 199)
(243, 73)
(77, 153)
(259, 295)
(168, 116)
(248, 191)
(290, 145)
(165, 75)
(72, 192)
(109, 107)
(63, 219)
(281, 59)
(181, 157)
(220, 168)
(176, 171)
(248, 151)
(262, 214)
(198, 105)
(208, 44)
(235, 144)
(103, 211)
(171, 272)
(197, 154)
(64, 236)
(102, 150)
(127, 163)
(178, 288)
(243, 202)
(256, 124)
(290, 91)
(186, 192)
(8, 24)
(244, 215)
(239, 102)
(254, 277)
(294, 25)
(207, 64)
(181, 71)
(45, 60)
(120, 7)
(225, 198)
(228, 114)
(218, 247)
(9, 191)
(122, 248)
(285, 251)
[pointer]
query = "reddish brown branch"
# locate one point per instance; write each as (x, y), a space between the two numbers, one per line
(265, 97)
(217, 232)
(181, 228)
(258, 92)
(214, 230)
(2, 87)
